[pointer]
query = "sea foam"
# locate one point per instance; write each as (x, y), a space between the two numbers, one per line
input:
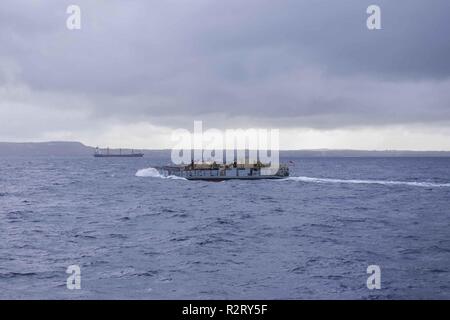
(381, 182)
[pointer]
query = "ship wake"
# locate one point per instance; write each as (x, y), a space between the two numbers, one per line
(154, 173)
(379, 182)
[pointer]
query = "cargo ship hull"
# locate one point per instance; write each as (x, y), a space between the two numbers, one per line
(131, 155)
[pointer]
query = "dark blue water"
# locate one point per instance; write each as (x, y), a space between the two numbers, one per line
(152, 238)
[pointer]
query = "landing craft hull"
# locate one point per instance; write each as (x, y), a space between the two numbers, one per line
(218, 179)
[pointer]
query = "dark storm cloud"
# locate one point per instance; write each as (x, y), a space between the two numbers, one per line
(277, 63)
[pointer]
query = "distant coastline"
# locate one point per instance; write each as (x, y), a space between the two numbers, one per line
(73, 148)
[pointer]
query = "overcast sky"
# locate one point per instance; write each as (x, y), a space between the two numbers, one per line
(139, 69)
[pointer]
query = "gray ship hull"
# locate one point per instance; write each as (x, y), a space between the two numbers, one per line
(218, 179)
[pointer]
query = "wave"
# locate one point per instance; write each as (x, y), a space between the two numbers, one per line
(381, 182)
(154, 173)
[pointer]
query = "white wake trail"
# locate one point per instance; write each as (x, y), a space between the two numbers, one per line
(381, 182)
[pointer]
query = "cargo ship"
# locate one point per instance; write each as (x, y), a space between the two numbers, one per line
(99, 154)
(221, 172)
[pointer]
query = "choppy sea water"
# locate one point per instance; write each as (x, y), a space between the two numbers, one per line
(137, 235)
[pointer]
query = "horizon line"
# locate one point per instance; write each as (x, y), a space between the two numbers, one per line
(164, 149)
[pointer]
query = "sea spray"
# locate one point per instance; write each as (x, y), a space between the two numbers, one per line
(149, 172)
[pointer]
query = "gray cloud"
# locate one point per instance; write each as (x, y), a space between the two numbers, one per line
(287, 63)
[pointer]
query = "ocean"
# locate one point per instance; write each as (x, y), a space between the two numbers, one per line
(138, 235)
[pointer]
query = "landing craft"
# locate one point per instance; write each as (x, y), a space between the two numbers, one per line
(221, 172)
